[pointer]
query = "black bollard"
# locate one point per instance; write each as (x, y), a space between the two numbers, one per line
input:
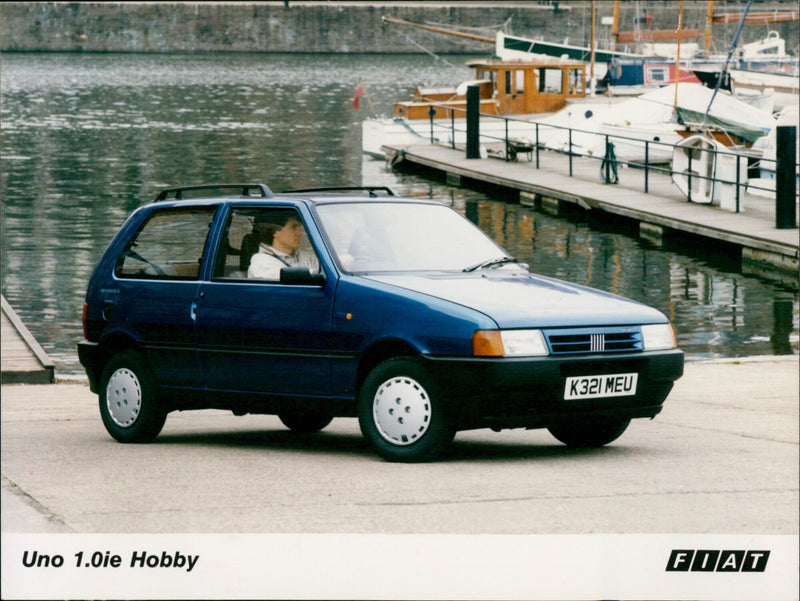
(473, 122)
(785, 178)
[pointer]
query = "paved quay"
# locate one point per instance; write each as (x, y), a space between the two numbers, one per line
(722, 457)
(660, 212)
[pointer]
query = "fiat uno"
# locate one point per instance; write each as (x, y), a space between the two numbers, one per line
(398, 312)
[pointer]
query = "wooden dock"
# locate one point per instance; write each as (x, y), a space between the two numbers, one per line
(662, 211)
(23, 359)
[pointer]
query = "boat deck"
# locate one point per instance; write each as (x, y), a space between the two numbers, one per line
(23, 359)
(659, 212)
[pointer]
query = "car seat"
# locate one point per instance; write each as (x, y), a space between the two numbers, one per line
(250, 243)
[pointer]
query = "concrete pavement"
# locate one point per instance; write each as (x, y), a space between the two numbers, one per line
(721, 458)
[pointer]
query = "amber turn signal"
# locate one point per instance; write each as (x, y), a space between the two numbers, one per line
(487, 343)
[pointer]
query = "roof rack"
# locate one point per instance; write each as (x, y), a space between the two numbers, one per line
(177, 192)
(371, 189)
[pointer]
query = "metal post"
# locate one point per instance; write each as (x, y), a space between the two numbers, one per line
(473, 122)
(507, 144)
(646, 166)
(453, 130)
(785, 177)
(689, 178)
(537, 145)
(570, 152)
(431, 114)
(738, 183)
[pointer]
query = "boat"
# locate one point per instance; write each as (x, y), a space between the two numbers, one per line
(757, 65)
(630, 76)
(784, 88)
(704, 170)
(628, 123)
(661, 117)
(654, 63)
(760, 74)
(698, 107)
(519, 88)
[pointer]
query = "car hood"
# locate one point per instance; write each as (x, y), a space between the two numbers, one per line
(518, 299)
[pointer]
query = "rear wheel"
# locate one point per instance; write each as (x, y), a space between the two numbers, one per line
(127, 397)
(401, 412)
(589, 432)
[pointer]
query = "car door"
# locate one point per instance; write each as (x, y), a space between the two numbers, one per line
(259, 335)
(156, 284)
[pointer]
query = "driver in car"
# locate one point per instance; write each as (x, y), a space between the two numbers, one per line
(281, 234)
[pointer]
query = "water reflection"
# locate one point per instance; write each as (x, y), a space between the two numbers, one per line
(88, 138)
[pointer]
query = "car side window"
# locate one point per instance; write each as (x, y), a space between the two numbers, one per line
(170, 245)
(259, 242)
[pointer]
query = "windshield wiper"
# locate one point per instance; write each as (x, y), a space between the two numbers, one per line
(490, 263)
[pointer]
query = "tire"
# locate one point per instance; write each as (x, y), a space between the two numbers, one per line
(589, 432)
(305, 420)
(128, 402)
(401, 412)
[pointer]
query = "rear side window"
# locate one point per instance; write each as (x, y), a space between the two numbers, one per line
(169, 245)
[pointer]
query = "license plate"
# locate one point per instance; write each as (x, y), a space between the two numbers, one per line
(592, 387)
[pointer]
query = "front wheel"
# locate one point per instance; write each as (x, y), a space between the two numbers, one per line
(589, 432)
(128, 402)
(401, 412)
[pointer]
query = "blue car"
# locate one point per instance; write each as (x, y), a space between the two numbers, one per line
(324, 303)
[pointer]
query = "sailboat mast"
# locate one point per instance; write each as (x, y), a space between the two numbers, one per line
(728, 58)
(459, 34)
(591, 68)
(678, 54)
(615, 26)
(709, 22)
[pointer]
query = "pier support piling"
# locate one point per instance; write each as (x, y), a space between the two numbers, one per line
(785, 178)
(473, 122)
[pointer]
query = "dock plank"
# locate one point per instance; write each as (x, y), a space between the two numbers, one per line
(22, 359)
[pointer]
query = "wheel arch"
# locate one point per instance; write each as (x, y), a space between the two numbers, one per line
(380, 352)
(112, 345)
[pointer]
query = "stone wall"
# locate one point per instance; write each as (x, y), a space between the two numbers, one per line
(322, 27)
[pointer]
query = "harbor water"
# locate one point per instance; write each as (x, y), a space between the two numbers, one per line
(87, 138)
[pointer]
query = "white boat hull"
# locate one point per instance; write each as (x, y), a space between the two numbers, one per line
(398, 132)
(704, 170)
(785, 87)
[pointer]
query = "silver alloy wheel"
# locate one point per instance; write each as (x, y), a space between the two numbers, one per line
(124, 397)
(401, 410)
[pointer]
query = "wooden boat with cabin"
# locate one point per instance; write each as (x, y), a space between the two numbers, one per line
(507, 87)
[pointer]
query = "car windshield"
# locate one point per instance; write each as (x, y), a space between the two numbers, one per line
(394, 236)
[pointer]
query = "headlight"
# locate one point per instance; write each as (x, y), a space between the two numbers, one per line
(658, 337)
(508, 343)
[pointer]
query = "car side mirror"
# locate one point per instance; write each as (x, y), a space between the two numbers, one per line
(301, 276)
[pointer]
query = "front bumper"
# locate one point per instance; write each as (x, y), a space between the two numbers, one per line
(529, 392)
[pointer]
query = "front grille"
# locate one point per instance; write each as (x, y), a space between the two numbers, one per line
(594, 340)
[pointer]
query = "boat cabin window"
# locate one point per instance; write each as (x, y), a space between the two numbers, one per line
(515, 82)
(658, 75)
(550, 81)
(481, 75)
(576, 82)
